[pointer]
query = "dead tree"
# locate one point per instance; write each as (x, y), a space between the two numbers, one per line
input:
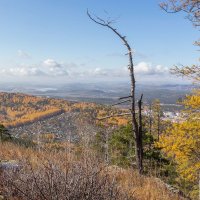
(149, 114)
(136, 120)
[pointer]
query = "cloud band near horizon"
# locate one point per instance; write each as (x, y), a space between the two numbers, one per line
(52, 68)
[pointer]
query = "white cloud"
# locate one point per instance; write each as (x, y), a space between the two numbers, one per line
(51, 63)
(53, 68)
(144, 68)
(48, 67)
(141, 69)
(22, 71)
(99, 72)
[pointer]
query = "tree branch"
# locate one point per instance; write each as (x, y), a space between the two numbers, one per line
(125, 97)
(121, 102)
(117, 115)
(135, 130)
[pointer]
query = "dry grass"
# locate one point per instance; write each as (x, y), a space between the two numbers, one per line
(143, 188)
(84, 171)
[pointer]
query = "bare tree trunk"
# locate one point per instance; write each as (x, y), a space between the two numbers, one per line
(140, 137)
(150, 119)
(158, 129)
(137, 129)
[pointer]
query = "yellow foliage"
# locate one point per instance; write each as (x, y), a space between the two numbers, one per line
(18, 109)
(193, 101)
(181, 142)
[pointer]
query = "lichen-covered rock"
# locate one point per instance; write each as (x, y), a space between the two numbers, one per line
(7, 165)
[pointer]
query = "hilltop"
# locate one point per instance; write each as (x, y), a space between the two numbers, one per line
(28, 116)
(44, 125)
(18, 108)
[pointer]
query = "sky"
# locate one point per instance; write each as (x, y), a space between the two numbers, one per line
(54, 41)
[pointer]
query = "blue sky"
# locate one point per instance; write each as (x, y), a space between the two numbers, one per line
(55, 40)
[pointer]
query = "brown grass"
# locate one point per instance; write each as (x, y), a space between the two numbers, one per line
(126, 184)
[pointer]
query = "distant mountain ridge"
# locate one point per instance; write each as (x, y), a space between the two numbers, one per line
(105, 93)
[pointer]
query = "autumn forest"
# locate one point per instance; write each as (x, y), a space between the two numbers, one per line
(60, 147)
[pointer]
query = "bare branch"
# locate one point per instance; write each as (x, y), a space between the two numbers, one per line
(134, 120)
(107, 24)
(190, 7)
(192, 72)
(140, 100)
(121, 102)
(125, 97)
(140, 135)
(116, 115)
(100, 22)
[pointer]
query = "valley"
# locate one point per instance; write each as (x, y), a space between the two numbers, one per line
(106, 93)
(40, 118)
(61, 127)
(65, 128)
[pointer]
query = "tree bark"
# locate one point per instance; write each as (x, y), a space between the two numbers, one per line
(137, 129)
(140, 137)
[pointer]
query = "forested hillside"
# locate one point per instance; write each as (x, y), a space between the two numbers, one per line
(17, 109)
(108, 122)
(47, 124)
